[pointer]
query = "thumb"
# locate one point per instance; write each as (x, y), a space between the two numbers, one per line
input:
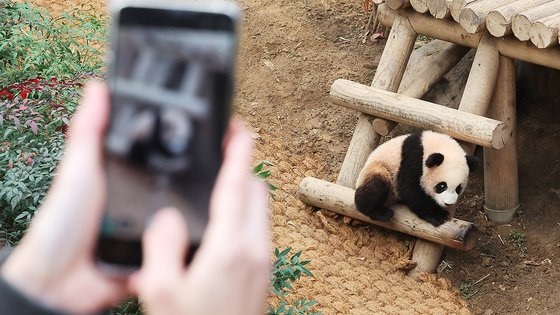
(164, 246)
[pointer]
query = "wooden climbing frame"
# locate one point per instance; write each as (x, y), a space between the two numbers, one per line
(486, 115)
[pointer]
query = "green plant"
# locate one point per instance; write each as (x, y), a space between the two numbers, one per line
(468, 290)
(300, 307)
(129, 307)
(287, 270)
(33, 43)
(519, 240)
(43, 63)
(264, 174)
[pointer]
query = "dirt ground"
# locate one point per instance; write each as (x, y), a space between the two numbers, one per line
(291, 51)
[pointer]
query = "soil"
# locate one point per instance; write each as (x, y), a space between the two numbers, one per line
(290, 53)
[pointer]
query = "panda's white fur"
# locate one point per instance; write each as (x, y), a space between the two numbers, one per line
(409, 169)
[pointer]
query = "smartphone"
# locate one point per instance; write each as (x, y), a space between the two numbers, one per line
(171, 84)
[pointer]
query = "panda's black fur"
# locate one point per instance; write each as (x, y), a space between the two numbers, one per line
(375, 192)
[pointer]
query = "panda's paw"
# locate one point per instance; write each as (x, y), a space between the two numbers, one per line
(385, 215)
(437, 218)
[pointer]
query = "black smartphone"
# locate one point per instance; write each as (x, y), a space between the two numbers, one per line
(171, 84)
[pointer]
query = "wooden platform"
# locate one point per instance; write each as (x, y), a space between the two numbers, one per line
(537, 21)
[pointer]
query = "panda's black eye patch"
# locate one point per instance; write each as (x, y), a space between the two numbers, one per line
(441, 187)
(459, 189)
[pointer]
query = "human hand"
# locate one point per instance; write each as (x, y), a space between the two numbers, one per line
(231, 270)
(54, 263)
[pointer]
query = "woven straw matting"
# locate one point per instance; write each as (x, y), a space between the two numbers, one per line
(357, 269)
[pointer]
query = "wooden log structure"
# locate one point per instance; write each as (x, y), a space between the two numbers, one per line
(457, 6)
(427, 65)
(388, 76)
(454, 233)
(473, 16)
(454, 33)
(419, 5)
(500, 166)
(439, 8)
(418, 113)
(498, 21)
(544, 32)
(521, 23)
(476, 100)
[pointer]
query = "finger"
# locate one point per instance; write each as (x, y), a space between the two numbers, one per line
(164, 246)
(229, 194)
(257, 227)
(75, 200)
(82, 162)
(257, 234)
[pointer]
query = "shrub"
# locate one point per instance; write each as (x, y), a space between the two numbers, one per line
(43, 62)
(287, 270)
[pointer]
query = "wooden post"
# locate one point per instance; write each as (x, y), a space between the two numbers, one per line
(498, 21)
(473, 16)
(544, 32)
(387, 77)
(454, 33)
(500, 167)
(397, 4)
(427, 65)
(339, 199)
(476, 99)
(419, 5)
(439, 8)
(464, 126)
(456, 6)
(521, 23)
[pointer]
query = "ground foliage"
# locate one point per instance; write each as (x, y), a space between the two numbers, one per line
(43, 63)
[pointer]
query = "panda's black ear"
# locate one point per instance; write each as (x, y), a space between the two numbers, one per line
(435, 159)
(472, 162)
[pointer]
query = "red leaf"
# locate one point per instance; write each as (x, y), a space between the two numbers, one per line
(9, 95)
(34, 127)
(24, 94)
(54, 80)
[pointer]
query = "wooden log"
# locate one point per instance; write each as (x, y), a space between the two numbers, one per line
(473, 16)
(427, 65)
(339, 199)
(446, 30)
(521, 22)
(544, 32)
(456, 6)
(397, 4)
(482, 78)
(419, 5)
(439, 8)
(454, 33)
(498, 21)
(418, 113)
(500, 167)
(525, 51)
(476, 99)
(388, 77)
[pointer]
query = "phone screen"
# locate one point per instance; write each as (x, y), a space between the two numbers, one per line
(171, 88)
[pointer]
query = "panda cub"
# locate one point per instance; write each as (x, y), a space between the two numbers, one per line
(427, 171)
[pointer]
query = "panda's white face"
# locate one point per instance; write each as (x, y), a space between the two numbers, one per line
(447, 196)
(447, 180)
